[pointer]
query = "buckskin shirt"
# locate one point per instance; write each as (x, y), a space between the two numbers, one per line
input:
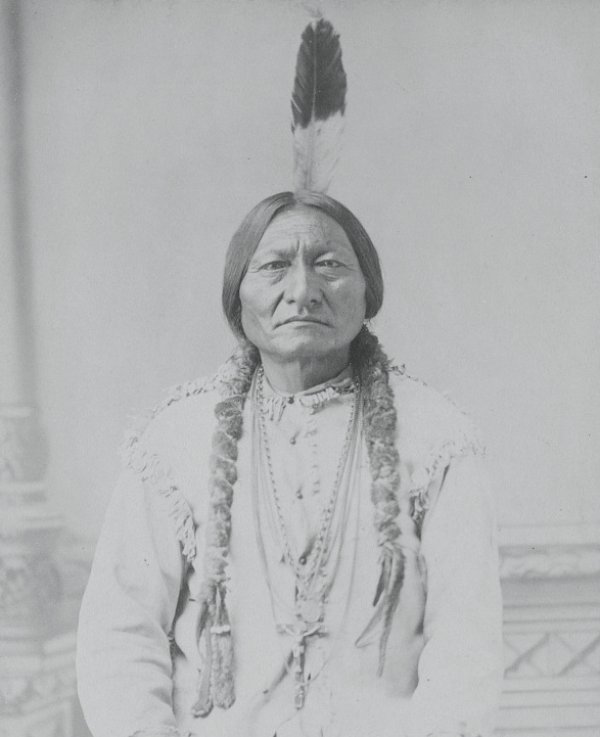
(139, 662)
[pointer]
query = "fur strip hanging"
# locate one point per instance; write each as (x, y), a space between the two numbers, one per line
(204, 702)
(318, 105)
(222, 687)
(386, 602)
(216, 686)
(390, 605)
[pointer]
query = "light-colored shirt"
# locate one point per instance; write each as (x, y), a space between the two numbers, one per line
(138, 656)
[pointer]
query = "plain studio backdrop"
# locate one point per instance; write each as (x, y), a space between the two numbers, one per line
(471, 155)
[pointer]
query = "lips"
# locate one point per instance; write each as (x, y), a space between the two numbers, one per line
(310, 320)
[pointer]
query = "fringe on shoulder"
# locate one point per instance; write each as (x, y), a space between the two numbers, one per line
(464, 441)
(463, 445)
(153, 472)
(150, 467)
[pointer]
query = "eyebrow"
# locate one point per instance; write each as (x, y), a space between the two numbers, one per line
(290, 249)
(279, 249)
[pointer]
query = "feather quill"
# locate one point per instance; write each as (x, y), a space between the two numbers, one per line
(318, 105)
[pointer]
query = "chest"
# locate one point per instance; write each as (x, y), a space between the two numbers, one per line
(264, 587)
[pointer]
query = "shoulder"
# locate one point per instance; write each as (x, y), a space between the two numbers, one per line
(168, 450)
(176, 423)
(184, 420)
(432, 430)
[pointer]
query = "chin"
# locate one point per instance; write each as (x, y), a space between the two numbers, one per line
(300, 347)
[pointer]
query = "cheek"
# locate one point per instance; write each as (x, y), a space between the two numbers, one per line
(252, 301)
(353, 300)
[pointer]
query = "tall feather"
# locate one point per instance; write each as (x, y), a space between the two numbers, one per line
(318, 105)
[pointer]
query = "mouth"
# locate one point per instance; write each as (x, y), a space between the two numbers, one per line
(301, 320)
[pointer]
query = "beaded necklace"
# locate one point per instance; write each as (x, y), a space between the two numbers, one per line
(318, 552)
(312, 583)
(313, 401)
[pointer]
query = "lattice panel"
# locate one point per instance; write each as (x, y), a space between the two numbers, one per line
(552, 654)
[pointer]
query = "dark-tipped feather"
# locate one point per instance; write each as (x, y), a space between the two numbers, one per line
(320, 84)
(318, 105)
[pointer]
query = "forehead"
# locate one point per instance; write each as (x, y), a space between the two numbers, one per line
(304, 226)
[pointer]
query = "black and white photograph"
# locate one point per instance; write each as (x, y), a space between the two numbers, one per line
(299, 368)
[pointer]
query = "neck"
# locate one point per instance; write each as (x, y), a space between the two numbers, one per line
(300, 374)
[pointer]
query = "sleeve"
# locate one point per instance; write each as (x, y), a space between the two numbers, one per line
(460, 667)
(123, 655)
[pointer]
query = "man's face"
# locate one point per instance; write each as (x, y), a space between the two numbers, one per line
(303, 295)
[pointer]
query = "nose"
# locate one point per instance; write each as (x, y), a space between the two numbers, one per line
(302, 287)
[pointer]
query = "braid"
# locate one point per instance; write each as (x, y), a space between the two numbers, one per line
(380, 420)
(217, 684)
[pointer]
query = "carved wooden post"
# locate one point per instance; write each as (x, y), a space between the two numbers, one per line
(36, 638)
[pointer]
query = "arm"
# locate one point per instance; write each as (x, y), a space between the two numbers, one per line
(460, 668)
(123, 658)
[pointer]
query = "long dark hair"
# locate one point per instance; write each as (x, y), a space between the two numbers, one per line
(247, 237)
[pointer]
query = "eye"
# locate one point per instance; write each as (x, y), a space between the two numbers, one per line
(274, 265)
(329, 263)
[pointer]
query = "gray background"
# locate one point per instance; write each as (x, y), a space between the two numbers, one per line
(471, 156)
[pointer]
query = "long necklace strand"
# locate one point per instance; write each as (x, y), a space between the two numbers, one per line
(318, 551)
(303, 629)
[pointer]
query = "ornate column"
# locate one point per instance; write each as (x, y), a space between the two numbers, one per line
(36, 630)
